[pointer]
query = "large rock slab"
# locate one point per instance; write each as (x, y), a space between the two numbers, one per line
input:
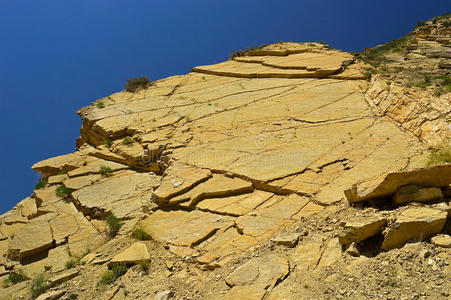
(384, 186)
(414, 223)
(184, 228)
(100, 199)
(33, 238)
(260, 272)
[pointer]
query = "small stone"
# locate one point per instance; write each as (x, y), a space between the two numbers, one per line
(165, 295)
(134, 254)
(63, 277)
(52, 295)
(425, 253)
(288, 240)
(352, 250)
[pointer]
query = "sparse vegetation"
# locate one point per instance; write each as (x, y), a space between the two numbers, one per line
(14, 278)
(439, 155)
(71, 263)
(241, 52)
(421, 23)
(375, 56)
(108, 143)
(105, 171)
(112, 275)
(139, 234)
(134, 85)
(73, 296)
(39, 285)
(40, 185)
(144, 266)
(114, 224)
(100, 104)
(127, 141)
(62, 172)
(62, 191)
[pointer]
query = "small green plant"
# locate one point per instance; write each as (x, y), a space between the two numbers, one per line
(114, 224)
(40, 185)
(107, 143)
(62, 172)
(62, 191)
(100, 104)
(139, 234)
(306, 286)
(421, 23)
(105, 171)
(439, 155)
(71, 263)
(112, 275)
(39, 285)
(14, 278)
(73, 296)
(134, 85)
(127, 141)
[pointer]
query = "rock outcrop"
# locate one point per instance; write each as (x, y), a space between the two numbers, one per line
(237, 175)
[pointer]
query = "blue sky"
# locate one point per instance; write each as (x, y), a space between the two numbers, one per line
(58, 56)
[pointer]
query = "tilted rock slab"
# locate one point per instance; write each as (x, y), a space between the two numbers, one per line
(414, 223)
(384, 186)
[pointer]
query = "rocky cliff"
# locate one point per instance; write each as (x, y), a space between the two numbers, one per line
(290, 171)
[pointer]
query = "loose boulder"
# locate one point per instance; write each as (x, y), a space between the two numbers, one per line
(136, 253)
(359, 231)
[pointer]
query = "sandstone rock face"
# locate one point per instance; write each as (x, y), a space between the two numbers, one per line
(225, 168)
(414, 223)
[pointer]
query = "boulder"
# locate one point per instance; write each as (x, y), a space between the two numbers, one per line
(442, 240)
(136, 253)
(65, 276)
(359, 231)
(414, 193)
(414, 224)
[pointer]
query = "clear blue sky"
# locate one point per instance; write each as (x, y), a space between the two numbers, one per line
(58, 56)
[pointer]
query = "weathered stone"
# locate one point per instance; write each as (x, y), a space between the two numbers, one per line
(136, 253)
(102, 198)
(178, 179)
(65, 276)
(414, 223)
(56, 164)
(288, 240)
(57, 179)
(442, 240)
(34, 237)
(260, 272)
(352, 250)
(438, 176)
(51, 295)
(217, 186)
(245, 293)
(413, 193)
(359, 231)
(28, 208)
(184, 228)
(164, 295)
(94, 165)
(79, 182)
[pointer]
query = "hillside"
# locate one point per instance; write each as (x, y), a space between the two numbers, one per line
(290, 171)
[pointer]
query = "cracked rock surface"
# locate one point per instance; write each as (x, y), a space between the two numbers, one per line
(212, 166)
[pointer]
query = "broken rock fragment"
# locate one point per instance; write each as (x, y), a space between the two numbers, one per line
(359, 231)
(414, 224)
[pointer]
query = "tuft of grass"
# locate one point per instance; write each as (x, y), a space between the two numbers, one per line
(139, 234)
(100, 104)
(14, 278)
(114, 224)
(105, 171)
(134, 85)
(62, 191)
(144, 266)
(39, 285)
(71, 263)
(112, 275)
(127, 141)
(73, 296)
(375, 55)
(421, 23)
(439, 155)
(40, 185)
(107, 143)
